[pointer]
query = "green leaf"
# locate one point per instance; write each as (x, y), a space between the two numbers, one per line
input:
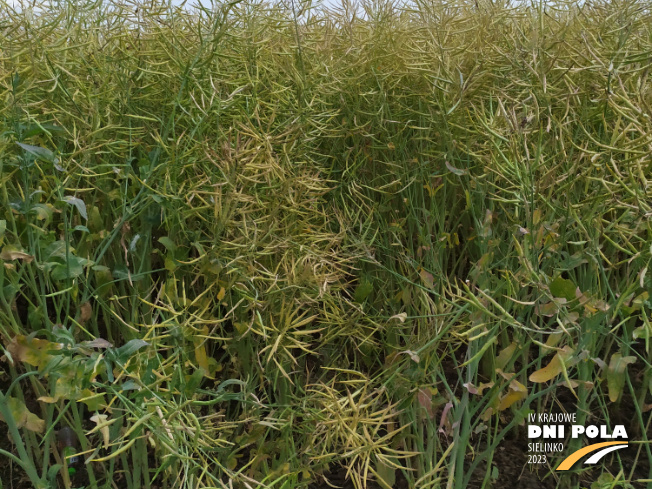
(130, 385)
(168, 243)
(604, 481)
(9, 292)
(129, 348)
(40, 153)
(455, 171)
(362, 291)
(53, 471)
(573, 261)
(74, 269)
(644, 331)
(78, 203)
(43, 212)
(35, 129)
(616, 374)
(35, 317)
(560, 287)
(193, 382)
(3, 228)
(385, 474)
(170, 264)
(95, 221)
(494, 473)
(223, 385)
(121, 272)
(55, 250)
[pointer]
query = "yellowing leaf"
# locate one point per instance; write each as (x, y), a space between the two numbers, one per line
(479, 389)
(170, 264)
(591, 305)
(200, 352)
(401, 317)
(22, 416)
(427, 278)
(483, 386)
(574, 384)
(445, 425)
(536, 216)
(221, 294)
(486, 415)
(231, 462)
(640, 299)
(31, 350)
(214, 367)
(554, 368)
(10, 253)
(486, 232)
(616, 374)
(571, 318)
(47, 399)
(424, 397)
(505, 355)
(94, 401)
(549, 309)
(553, 339)
(510, 398)
(413, 355)
(517, 391)
(241, 328)
(103, 426)
(97, 343)
(68, 387)
(86, 312)
(644, 331)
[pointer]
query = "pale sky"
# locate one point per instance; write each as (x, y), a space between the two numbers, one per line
(207, 3)
(329, 3)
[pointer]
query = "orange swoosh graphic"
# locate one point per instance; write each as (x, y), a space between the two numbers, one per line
(574, 457)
